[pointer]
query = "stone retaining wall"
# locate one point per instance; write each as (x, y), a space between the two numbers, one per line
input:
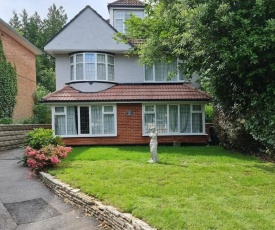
(108, 215)
(11, 136)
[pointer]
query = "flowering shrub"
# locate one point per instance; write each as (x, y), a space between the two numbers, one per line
(39, 160)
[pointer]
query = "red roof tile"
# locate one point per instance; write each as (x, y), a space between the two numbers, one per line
(131, 92)
(126, 3)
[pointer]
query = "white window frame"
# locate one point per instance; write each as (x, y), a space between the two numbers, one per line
(114, 112)
(73, 56)
(178, 62)
(168, 133)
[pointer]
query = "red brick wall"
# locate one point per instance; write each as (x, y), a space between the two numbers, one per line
(129, 131)
(24, 61)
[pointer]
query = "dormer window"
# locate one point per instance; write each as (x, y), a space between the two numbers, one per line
(120, 16)
(92, 67)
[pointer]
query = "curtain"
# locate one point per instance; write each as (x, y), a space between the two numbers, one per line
(161, 114)
(60, 125)
(196, 123)
(149, 121)
(173, 118)
(96, 119)
(109, 124)
(71, 120)
(185, 126)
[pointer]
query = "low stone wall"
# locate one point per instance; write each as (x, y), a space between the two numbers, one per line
(108, 215)
(11, 136)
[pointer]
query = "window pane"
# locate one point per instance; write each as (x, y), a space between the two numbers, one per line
(149, 73)
(79, 72)
(72, 59)
(90, 71)
(79, 58)
(60, 125)
(109, 124)
(173, 118)
(118, 14)
(72, 121)
(162, 71)
(72, 72)
(108, 109)
(118, 24)
(185, 124)
(84, 120)
(161, 114)
(59, 109)
(111, 59)
(196, 107)
(149, 108)
(90, 58)
(101, 72)
(196, 123)
(96, 119)
(138, 14)
(149, 121)
(101, 58)
(111, 75)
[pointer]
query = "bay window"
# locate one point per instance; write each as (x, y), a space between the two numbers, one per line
(173, 119)
(95, 120)
(92, 67)
(161, 72)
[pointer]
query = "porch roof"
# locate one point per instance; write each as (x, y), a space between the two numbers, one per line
(131, 92)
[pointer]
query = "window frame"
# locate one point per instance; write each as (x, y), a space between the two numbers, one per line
(169, 133)
(73, 65)
(65, 113)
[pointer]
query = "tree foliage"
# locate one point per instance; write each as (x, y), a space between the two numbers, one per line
(230, 43)
(8, 86)
(39, 32)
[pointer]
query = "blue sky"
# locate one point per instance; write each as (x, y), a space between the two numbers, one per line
(71, 7)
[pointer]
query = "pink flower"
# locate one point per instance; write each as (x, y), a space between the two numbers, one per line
(55, 160)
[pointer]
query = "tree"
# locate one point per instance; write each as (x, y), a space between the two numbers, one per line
(39, 32)
(230, 43)
(8, 86)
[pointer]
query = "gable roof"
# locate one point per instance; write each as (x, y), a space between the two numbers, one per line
(126, 3)
(18, 37)
(131, 92)
(81, 33)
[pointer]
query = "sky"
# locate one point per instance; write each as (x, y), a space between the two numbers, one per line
(71, 7)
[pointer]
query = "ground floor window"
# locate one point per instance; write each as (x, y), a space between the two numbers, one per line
(91, 120)
(173, 119)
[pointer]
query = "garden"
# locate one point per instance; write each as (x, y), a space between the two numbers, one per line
(189, 188)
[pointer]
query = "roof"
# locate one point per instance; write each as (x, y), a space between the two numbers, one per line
(131, 92)
(126, 3)
(18, 37)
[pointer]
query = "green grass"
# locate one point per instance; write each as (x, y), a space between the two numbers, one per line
(190, 188)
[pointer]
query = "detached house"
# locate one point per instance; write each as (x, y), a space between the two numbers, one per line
(104, 97)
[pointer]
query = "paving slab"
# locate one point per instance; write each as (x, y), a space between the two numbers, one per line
(27, 204)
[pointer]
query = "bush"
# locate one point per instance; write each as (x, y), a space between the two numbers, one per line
(209, 113)
(49, 156)
(6, 120)
(40, 138)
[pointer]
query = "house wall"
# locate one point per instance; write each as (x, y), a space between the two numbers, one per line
(127, 70)
(129, 131)
(24, 61)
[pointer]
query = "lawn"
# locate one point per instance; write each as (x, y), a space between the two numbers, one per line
(190, 188)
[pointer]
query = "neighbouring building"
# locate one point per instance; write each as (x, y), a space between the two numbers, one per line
(21, 54)
(104, 97)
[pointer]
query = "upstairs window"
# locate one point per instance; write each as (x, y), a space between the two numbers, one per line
(92, 67)
(120, 16)
(162, 72)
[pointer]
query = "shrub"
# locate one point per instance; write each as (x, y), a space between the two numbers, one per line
(40, 138)
(6, 120)
(209, 113)
(49, 156)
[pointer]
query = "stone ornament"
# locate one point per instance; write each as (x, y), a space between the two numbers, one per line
(153, 145)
